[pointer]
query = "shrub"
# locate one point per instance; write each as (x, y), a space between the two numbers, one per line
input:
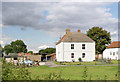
(14, 72)
(84, 76)
(73, 60)
(53, 76)
(79, 59)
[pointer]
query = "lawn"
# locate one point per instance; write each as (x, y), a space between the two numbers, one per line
(76, 72)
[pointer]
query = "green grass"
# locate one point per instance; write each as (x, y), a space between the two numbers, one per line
(76, 72)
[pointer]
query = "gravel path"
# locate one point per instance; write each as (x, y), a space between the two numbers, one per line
(51, 64)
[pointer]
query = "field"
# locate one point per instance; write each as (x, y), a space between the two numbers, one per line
(76, 72)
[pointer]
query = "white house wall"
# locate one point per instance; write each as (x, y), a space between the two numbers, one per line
(63, 51)
(59, 52)
(106, 53)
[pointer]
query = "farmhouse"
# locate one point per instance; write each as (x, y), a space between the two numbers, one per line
(74, 45)
(112, 51)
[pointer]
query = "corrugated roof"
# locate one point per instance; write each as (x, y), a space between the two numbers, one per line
(75, 37)
(115, 44)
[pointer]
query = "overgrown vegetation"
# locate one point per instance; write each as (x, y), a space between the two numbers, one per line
(13, 72)
(84, 76)
(53, 76)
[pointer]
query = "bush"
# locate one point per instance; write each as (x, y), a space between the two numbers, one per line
(73, 60)
(53, 76)
(79, 59)
(13, 72)
(84, 76)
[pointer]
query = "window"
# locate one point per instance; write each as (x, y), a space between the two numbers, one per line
(83, 46)
(113, 53)
(72, 46)
(110, 53)
(72, 55)
(83, 55)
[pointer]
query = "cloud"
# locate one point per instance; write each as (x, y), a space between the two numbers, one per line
(34, 51)
(35, 47)
(5, 39)
(113, 33)
(60, 15)
(54, 18)
(1, 42)
(43, 47)
(61, 1)
(1, 25)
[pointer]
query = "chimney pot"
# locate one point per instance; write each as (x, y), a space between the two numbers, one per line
(67, 31)
(78, 30)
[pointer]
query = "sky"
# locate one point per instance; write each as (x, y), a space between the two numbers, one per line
(41, 24)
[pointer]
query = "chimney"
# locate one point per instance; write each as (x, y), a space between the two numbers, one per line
(78, 30)
(67, 31)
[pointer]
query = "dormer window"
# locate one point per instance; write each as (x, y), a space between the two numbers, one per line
(72, 46)
(83, 46)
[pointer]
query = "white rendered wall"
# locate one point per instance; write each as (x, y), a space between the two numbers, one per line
(63, 51)
(106, 53)
(59, 51)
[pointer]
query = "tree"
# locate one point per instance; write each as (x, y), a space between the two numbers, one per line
(1, 50)
(18, 46)
(47, 50)
(42, 51)
(8, 49)
(31, 52)
(101, 38)
(15, 47)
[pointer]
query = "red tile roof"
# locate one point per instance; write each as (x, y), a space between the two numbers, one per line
(27, 53)
(115, 44)
(53, 54)
(61, 39)
(75, 37)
